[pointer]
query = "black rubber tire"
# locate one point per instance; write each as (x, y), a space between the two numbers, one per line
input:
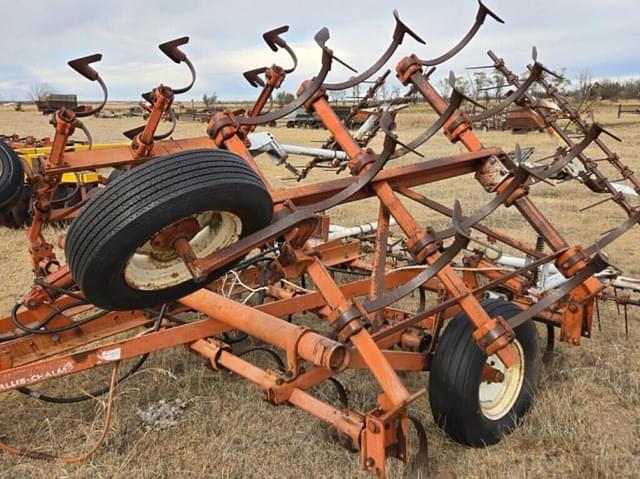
(115, 173)
(454, 380)
(140, 202)
(11, 177)
(19, 215)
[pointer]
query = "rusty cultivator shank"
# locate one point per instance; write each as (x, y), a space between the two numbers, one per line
(193, 225)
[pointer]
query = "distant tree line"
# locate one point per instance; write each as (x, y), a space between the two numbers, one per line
(617, 90)
(484, 87)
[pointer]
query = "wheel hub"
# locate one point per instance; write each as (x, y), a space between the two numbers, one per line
(156, 265)
(165, 240)
(500, 390)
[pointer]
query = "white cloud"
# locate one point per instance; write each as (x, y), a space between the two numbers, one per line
(40, 36)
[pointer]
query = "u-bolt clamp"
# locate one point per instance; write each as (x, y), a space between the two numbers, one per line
(222, 126)
(572, 261)
(493, 335)
(423, 244)
(346, 320)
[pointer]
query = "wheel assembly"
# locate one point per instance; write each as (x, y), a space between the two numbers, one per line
(121, 250)
(11, 178)
(18, 216)
(475, 399)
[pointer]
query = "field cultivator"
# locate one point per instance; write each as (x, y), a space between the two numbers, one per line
(194, 225)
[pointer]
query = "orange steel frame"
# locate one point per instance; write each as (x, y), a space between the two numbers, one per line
(390, 344)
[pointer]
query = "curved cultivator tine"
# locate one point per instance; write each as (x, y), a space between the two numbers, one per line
(402, 29)
(460, 227)
(131, 134)
(321, 38)
(517, 181)
(386, 123)
(544, 172)
(149, 96)
(253, 77)
(534, 55)
(595, 265)
(454, 104)
(614, 234)
(453, 83)
(395, 294)
(399, 33)
(81, 66)
(481, 16)
(171, 49)
(274, 39)
(171, 130)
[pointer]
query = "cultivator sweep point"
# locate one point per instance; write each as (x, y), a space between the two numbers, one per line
(194, 225)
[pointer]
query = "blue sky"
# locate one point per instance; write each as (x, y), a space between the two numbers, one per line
(39, 37)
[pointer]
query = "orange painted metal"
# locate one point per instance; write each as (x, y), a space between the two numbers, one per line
(449, 278)
(235, 144)
(119, 156)
(383, 341)
(33, 348)
(142, 144)
(342, 136)
(275, 75)
(63, 365)
(379, 262)
(414, 174)
(347, 422)
(361, 339)
(296, 340)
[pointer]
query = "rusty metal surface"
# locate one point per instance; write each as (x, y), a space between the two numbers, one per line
(49, 335)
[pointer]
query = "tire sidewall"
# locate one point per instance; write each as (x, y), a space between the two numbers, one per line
(11, 176)
(526, 335)
(456, 373)
(125, 242)
(141, 202)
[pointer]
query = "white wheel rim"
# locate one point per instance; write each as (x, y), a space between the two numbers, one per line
(150, 270)
(498, 398)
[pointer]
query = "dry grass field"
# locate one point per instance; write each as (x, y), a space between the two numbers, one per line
(586, 422)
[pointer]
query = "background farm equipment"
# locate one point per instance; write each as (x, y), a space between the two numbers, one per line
(518, 119)
(628, 109)
(73, 187)
(192, 245)
(521, 119)
(302, 119)
(19, 142)
(50, 103)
